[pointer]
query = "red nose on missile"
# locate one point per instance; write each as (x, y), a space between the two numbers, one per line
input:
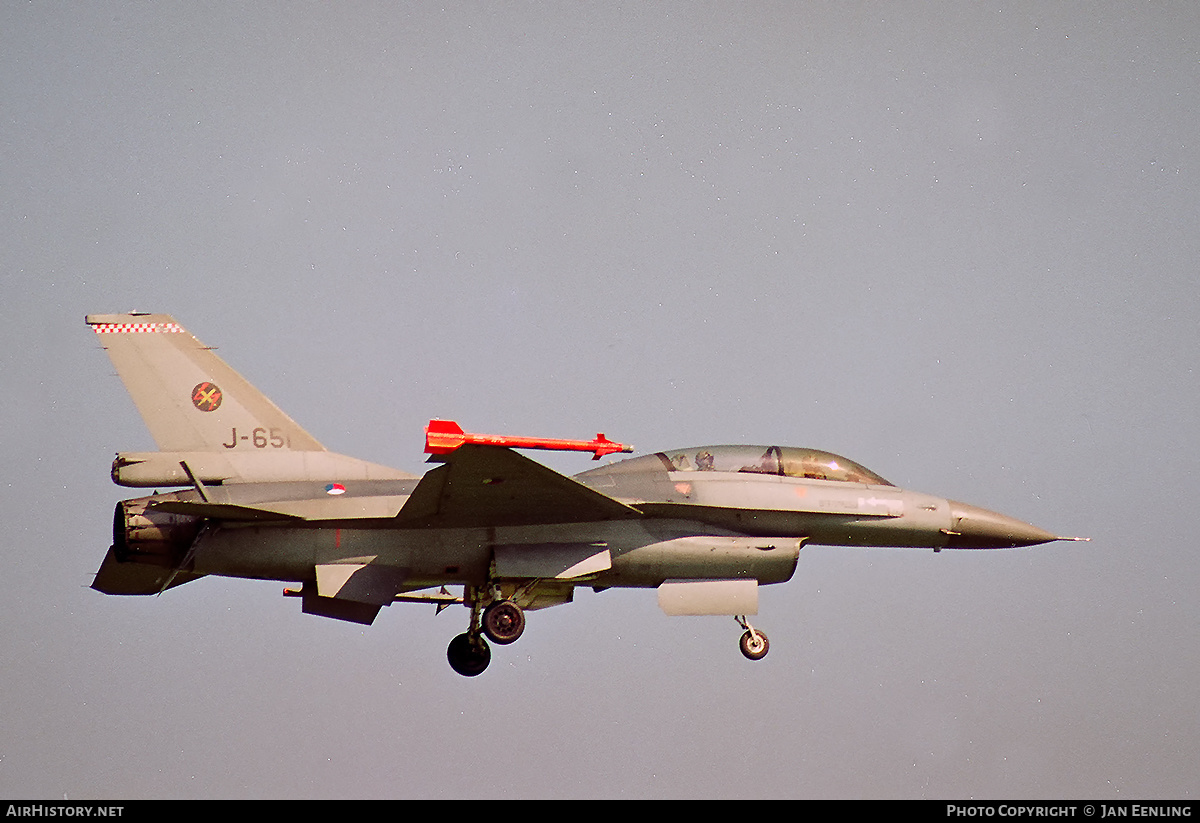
(444, 436)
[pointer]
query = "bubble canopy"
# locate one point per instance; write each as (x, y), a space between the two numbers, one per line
(784, 461)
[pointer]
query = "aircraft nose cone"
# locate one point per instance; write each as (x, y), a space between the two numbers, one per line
(974, 528)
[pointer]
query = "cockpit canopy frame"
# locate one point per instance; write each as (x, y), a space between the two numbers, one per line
(784, 461)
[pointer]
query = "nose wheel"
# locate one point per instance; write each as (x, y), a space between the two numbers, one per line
(754, 644)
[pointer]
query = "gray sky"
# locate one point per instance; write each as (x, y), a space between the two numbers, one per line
(955, 242)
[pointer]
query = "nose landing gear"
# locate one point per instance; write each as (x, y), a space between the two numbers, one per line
(754, 644)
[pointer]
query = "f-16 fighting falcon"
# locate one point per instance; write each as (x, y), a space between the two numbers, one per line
(259, 497)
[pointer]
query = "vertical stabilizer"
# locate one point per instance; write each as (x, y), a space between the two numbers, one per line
(190, 399)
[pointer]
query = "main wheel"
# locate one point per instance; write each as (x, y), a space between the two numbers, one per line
(754, 645)
(503, 622)
(468, 655)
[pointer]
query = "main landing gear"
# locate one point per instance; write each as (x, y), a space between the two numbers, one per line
(754, 644)
(502, 621)
(469, 654)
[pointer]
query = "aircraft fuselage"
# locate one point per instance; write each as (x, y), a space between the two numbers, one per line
(262, 498)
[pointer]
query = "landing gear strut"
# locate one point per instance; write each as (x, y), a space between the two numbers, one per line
(468, 653)
(502, 621)
(754, 644)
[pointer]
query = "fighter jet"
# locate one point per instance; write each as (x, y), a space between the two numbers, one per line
(259, 497)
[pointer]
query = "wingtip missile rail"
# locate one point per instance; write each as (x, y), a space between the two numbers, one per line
(444, 436)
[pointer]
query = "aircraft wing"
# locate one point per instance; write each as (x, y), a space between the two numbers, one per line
(490, 486)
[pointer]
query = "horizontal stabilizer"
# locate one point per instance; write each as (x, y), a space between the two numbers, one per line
(115, 577)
